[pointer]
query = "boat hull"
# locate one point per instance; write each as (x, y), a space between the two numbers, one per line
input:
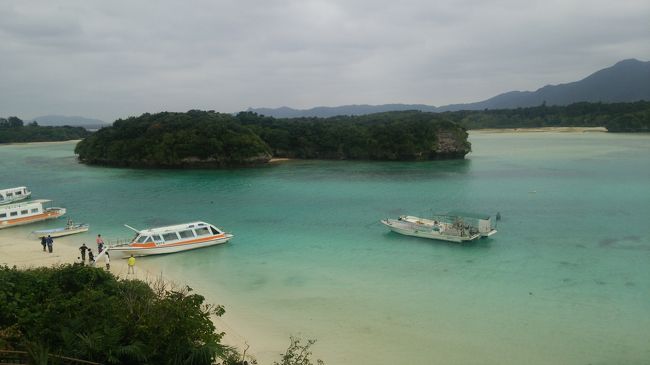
(61, 232)
(425, 232)
(50, 213)
(127, 251)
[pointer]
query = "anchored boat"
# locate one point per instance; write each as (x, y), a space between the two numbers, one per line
(11, 195)
(70, 228)
(25, 213)
(449, 227)
(170, 239)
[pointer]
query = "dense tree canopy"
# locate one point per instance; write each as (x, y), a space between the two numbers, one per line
(206, 138)
(174, 140)
(409, 135)
(86, 313)
(13, 130)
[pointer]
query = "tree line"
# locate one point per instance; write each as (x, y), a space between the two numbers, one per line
(13, 130)
(208, 138)
(616, 117)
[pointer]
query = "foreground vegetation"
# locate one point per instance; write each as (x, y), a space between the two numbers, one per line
(205, 138)
(616, 117)
(13, 130)
(86, 313)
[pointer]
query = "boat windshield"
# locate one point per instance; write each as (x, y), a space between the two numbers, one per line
(143, 239)
(202, 231)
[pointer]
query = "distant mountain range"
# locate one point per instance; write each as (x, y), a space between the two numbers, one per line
(626, 81)
(73, 121)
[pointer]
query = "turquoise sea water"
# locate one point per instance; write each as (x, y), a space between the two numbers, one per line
(565, 281)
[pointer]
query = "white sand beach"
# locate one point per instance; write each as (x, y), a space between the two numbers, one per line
(542, 129)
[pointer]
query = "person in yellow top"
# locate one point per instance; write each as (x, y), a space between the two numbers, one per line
(131, 265)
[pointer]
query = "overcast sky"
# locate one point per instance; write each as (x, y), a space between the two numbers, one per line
(113, 59)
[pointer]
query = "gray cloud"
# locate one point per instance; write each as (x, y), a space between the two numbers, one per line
(120, 58)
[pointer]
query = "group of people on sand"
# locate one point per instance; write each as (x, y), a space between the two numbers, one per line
(107, 258)
(48, 243)
(91, 257)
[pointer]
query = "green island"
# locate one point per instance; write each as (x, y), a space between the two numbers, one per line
(211, 139)
(13, 130)
(76, 314)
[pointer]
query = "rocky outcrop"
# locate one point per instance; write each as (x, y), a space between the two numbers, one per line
(452, 143)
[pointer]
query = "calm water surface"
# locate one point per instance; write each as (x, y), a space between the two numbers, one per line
(565, 281)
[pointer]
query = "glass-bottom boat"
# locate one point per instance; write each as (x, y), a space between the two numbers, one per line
(170, 239)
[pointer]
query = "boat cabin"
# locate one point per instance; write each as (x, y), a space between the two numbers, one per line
(483, 223)
(177, 233)
(14, 194)
(22, 210)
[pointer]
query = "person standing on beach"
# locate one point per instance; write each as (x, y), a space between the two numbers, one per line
(100, 243)
(83, 249)
(91, 258)
(50, 242)
(107, 260)
(43, 243)
(131, 265)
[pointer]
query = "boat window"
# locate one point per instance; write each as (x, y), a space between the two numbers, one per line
(18, 193)
(202, 231)
(3, 215)
(24, 211)
(9, 194)
(35, 210)
(186, 234)
(13, 214)
(157, 238)
(214, 230)
(144, 239)
(170, 236)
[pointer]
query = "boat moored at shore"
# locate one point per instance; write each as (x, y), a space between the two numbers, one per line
(451, 227)
(170, 239)
(25, 213)
(69, 229)
(8, 196)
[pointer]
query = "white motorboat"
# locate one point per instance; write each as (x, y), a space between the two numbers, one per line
(8, 196)
(452, 228)
(69, 229)
(170, 239)
(25, 213)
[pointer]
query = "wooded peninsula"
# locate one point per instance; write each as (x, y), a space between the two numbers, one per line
(616, 117)
(13, 130)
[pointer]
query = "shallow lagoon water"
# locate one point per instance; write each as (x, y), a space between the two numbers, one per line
(566, 280)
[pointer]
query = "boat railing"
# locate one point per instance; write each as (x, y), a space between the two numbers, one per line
(118, 242)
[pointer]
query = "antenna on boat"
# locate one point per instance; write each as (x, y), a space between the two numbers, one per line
(127, 226)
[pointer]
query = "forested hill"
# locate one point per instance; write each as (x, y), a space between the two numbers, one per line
(626, 81)
(210, 139)
(13, 130)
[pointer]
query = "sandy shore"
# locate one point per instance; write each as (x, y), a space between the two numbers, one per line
(279, 159)
(45, 143)
(18, 248)
(543, 129)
